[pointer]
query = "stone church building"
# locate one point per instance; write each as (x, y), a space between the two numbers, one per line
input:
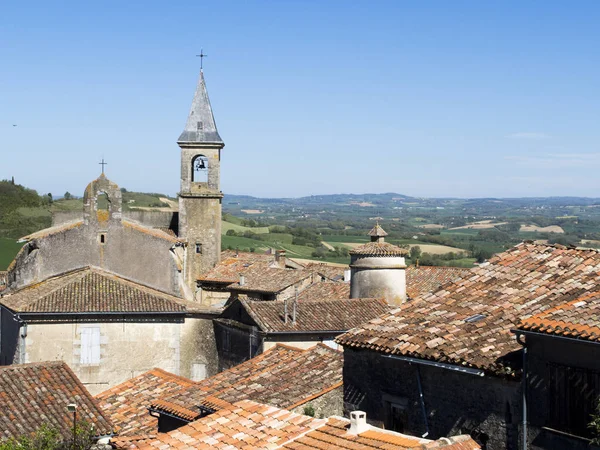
(113, 293)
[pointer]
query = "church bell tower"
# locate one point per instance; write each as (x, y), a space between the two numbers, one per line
(200, 195)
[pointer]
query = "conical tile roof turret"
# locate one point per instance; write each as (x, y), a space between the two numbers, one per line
(200, 126)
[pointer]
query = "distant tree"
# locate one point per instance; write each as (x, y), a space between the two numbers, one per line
(231, 233)
(415, 253)
(50, 198)
(67, 196)
(123, 190)
(12, 181)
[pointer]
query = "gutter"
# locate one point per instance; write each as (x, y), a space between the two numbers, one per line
(311, 332)
(552, 336)
(439, 365)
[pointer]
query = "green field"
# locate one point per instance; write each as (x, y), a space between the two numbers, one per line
(8, 250)
(226, 226)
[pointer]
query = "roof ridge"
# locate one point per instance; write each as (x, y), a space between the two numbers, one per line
(165, 374)
(51, 278)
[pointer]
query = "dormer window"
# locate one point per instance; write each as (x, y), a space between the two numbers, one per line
(199, 126)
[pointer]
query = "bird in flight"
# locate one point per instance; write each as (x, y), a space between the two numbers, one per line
(14, 125)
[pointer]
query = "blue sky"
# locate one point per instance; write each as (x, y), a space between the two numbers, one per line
(427, 98)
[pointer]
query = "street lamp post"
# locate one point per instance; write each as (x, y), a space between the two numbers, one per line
(72, 407)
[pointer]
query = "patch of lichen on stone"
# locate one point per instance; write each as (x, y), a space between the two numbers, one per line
(102, 215)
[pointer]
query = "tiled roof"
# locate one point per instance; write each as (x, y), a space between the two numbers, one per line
(425, 279)
(283, 376)
(377, 231)
(259, 274)
(324, 290)
(579, 319)
(333, 273)
(379, 249)
(327, 315)
(127, 403)
(468, 322)
(89, 290)
(155, 232)
(35, 394)
(250, 425)
(245, 424)
(334, 435)
(52, 230)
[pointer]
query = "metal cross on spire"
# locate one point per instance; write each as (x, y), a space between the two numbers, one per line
(202, 55)
(103, 164)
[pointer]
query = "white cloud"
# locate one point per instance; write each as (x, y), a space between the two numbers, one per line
(529, 135)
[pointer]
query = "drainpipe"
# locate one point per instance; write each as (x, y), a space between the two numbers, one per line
(524, 390)
(422, 401)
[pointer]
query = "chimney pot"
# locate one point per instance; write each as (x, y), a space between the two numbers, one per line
(358, 422)
(242, 280)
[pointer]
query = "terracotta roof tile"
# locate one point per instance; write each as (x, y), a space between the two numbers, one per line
(52, 230)
(259, 272)
(283, 376)
(327, 315)
(127, 403)
(250, 425)
(379, 249)
(324, 290)
(93, 290)
(468, 321)
(331, 272)
(579, 319)
(425, 279)
(35, 394)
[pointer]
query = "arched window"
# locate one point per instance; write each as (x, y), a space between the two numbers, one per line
(102, 207)
(200, 169)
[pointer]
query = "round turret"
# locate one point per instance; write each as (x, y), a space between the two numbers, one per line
(378, 269)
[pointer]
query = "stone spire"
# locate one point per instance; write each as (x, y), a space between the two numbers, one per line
(200, 127)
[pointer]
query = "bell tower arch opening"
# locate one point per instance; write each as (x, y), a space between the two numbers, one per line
(200, 169)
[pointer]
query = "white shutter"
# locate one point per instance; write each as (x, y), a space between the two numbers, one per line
(90, 345)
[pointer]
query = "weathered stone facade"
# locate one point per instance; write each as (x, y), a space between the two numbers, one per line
(128, 347)
(101, 239)
(326, 405)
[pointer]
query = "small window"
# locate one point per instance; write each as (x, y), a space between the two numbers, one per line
(198, 247)
(90, 345)
(200, 126)
(102, 238)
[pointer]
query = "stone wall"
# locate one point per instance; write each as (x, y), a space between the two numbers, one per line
(487, 408)
(127, 349)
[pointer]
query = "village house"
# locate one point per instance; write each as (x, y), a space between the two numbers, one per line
(247, 328)
(107, 328)
(562, 372)
(248, 424)
(458, 368)
(33, 395)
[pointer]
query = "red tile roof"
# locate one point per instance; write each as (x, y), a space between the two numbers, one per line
(127, 403)
(324, 290)
(259, 272)
(468, 322)
(579, 319)
(283, 376)
(250, 425)
(91, 289)
(379, 249)
(326, 315)
(425, 279)
(331, 272)
(35, 394)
